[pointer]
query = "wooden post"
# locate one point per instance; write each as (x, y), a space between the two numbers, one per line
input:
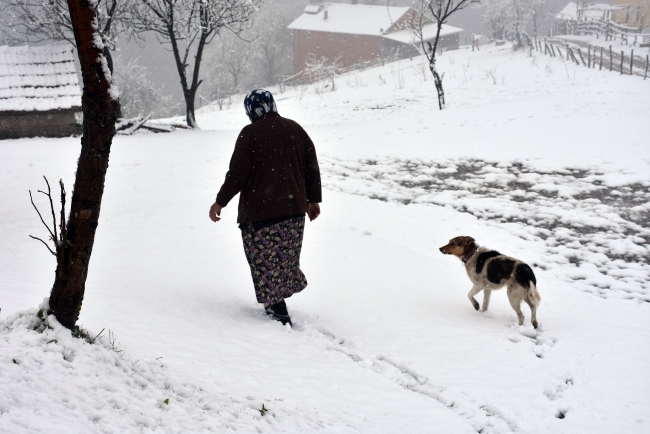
(622, 57)
(611, 58)
(581, 57)
(631, 61)
(646, 66)
(567, 49)
(589, 55)
(545, 46)
(472, 41)
(601, 59)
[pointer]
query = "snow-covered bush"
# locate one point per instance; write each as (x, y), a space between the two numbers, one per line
(139, 95)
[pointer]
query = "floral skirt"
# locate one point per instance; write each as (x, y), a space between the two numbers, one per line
(273, 253)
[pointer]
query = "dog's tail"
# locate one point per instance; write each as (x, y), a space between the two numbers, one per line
(526, 278)
(535, 295)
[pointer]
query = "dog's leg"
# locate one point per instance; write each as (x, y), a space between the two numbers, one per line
(533, 311)
(486, 299)
(515, 302)
(475, 290)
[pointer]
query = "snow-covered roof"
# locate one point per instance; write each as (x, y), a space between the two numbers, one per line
(354, 19)
(406, 36)
(38, 78)
(593, 11)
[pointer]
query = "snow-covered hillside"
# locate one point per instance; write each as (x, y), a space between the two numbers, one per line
(535, 157)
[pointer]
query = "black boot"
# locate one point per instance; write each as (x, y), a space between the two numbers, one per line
(279, 312)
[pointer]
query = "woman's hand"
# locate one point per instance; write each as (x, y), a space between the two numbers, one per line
(215, 212)
(313, 211)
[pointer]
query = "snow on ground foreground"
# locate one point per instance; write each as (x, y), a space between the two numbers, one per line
(535, 157)
(54, 382)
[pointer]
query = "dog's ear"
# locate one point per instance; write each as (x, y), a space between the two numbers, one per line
(469, 240)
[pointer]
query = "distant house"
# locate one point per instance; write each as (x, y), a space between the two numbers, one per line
(39, 92)
(356, 33)
(633, 13)
(567, 18)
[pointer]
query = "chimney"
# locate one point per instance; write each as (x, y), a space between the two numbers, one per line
(325, 15)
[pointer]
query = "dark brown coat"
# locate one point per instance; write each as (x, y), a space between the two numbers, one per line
(274, 167)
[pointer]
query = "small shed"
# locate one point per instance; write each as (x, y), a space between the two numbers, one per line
(39, 92)
(356, 33)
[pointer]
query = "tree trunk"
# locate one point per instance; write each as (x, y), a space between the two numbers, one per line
(111, 68)
(100, 112)
(438, 81)
(190, 96)
(432, 67)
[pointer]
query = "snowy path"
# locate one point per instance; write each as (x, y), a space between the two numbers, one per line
(583, 222)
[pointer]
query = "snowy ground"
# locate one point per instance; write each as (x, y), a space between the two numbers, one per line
(535, 157)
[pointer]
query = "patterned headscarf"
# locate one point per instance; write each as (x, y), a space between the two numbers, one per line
(259, 102)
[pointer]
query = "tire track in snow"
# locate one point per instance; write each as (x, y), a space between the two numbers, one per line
(484, 418)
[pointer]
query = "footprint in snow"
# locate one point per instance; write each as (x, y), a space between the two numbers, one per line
(556, 391)
(541, 344)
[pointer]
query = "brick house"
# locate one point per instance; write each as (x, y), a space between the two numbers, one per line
(633, 13)
(39, 92)
(356, 33)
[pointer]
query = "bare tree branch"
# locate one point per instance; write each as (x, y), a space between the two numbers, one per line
(41, 217)
(49, 20)
(44, 243)
(49, 196)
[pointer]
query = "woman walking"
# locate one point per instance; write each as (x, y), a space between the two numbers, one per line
(275, 170)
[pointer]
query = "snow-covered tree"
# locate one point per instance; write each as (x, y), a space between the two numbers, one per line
(512, 17)
(188, 26)
(424, 13)
(74, 243)
(139, 94)
(273, 43)
(49, 20)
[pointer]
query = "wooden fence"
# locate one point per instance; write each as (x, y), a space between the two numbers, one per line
(592, 56)
(610, 31)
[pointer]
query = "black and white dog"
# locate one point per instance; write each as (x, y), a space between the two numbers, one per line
(489, 270)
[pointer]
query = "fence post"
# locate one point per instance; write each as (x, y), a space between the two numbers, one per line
(601, 59)
(622, 57)
(472, 42)
(545, 47)
(610, 59)
(646, 66)
(581, 57)
(589, 55)
(567, 49)
(631, 61)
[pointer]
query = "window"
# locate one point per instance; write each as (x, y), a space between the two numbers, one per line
(343, 38)
(308, 35)
(332, 37)
(627, 14)
(638, 14)
(311, 57)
